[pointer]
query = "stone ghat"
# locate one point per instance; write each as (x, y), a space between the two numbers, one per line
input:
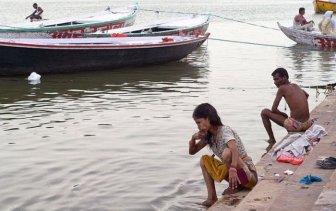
(285, 192)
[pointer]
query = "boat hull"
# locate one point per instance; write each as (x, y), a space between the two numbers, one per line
(75, 32)
(72, 27)
(309, 38)
(16, 60)
(198, 25)
(78, 32)
(322, 6)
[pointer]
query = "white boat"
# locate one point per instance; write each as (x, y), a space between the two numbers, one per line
(188, 25)
(313, 38)
(111, 18)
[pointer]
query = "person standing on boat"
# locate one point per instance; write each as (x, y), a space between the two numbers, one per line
(233, 165)
(300, 21)
(36, 15)
(327, 25)
(297, 100)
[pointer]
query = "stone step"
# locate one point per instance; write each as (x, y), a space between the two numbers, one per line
(284, 192)
(327, 198)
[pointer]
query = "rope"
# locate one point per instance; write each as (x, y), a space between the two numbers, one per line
(328, 89)
(249, 43)
(217, 16)
(317, 93)
(252, 24)
(186, 13)
(327, 86)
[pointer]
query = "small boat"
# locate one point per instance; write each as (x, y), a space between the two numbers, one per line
(178, 26)
(324, 5)
(313, 38)
(23, 56)
(73, 26)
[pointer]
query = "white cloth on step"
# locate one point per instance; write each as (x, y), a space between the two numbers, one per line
(298, 144)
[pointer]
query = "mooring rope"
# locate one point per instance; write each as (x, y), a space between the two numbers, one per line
(332, 85)
(217, 16)
(249, 43)
(244, 22)
(328, 88)
(177, 12)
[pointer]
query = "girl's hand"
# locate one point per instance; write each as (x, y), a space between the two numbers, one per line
(194, 145)
(198, 135)
(233, 178)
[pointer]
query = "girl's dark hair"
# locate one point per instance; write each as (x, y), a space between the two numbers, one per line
(205, 110)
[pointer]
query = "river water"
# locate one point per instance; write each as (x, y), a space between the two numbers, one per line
(118, 140)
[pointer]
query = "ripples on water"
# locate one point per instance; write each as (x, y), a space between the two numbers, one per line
(118, 140)
(85, 141)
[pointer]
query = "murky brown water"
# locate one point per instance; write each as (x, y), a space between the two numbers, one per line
(118, 140)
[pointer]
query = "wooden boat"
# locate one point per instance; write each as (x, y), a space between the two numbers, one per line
(74, 26)
(23, 56)
(324, 5)
(179, 26)
(314, 38)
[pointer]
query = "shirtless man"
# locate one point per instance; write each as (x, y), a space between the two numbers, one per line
(296, 98)
(36, 14)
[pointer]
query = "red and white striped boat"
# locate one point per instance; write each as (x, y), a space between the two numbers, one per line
(313, 38)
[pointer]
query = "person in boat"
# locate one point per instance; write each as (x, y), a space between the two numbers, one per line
(297, 100)
(327, 25)
(233, 163)
(36, 15)
(301, 23)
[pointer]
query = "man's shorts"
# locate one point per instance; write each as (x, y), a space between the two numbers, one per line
(293, 125)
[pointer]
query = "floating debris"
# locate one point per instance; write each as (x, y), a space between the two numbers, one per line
(34, 78)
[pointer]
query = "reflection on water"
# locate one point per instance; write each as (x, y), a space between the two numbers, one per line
(301, 56)
(70, 85)
(118, 140)
(315, 67)
(126, 88)
(327, 60)
(82, 84)
(101, 131)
